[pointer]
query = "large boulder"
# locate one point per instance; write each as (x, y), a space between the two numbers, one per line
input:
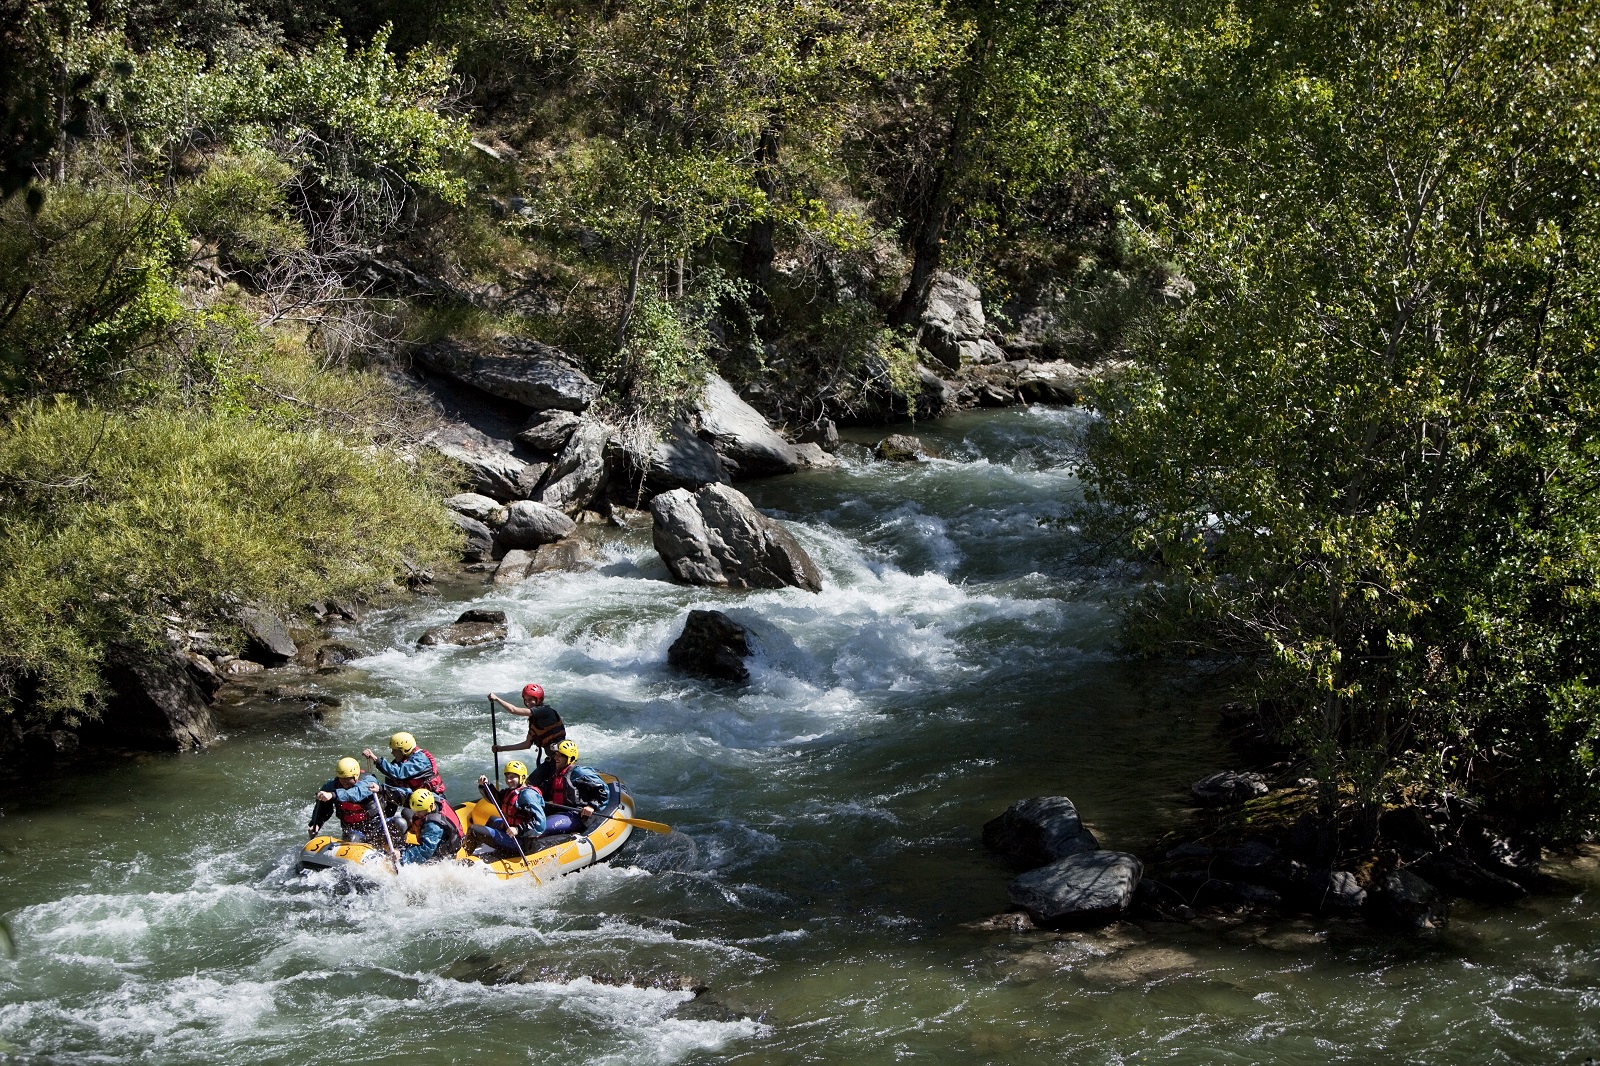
(515, 368)
(716, 537)
(529, 524)
(474, 627)
(479, 538)
(679, 460)
(748, 445)
(713, 645)
(901, 448)
(953, 324)
(267, 639)
(491, 468)
(1040, 830)
(580, 472)
(1089, 888)
(155, 701)
(1407, 901)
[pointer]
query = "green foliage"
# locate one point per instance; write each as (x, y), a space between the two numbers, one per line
(113, 520)
(1366, 451)
(85, 289)
(238, 202)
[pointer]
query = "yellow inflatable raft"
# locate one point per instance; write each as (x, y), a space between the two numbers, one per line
(547, 857)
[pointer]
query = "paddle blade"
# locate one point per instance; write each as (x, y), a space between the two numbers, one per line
(644, 823)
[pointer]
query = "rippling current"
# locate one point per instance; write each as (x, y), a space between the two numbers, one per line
(825, 881)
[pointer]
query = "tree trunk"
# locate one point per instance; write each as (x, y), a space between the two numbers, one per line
(760, 248)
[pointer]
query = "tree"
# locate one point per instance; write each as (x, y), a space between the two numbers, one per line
(1365, 452)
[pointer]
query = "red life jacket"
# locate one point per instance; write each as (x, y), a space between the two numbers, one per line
(354, 814)
(560, 788)
(508, 806)
(429, 780)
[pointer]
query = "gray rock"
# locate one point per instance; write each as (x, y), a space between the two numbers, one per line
(484, 509)
(748, 445)
(549, 431)
(953, 317)
(1089, 888)
(1464, 878)
(480, 540)
(491, 468)
(267, 639)
(1040, 830)
(1344, 892)
(529, 524)
(516, 368)
(813, 457)
(1053, 383)
(513, 567)
(716, 537)
(155, 702)
(712, 645)
(1407, 901)
(562, 556)
(679, 460)
(579, 474)
(936, 396)
(1229, 786)
(901, 448)
(824, 434)
(472, 628)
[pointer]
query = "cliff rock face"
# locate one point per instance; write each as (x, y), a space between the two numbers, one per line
(716, 537)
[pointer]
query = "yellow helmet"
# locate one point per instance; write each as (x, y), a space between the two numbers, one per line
(422, 800)
(347, 767)
(404, 743)
(569, 749)
(518, 767)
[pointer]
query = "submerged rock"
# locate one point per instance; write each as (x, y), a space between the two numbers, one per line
(1040, 830)
(1090, 888)
(713, 645)
(473, 628)
(716, 537)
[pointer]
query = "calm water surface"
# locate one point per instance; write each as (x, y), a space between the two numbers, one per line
(826, 872)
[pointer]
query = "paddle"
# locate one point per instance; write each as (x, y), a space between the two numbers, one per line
(383, 820)
(488, 795)
(642, 823)
(494, 733)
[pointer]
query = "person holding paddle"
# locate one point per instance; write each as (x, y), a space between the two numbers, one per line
(521, 810)
(545, 727)
(565, 784)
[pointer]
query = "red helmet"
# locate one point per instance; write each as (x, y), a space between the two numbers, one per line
(533, 692)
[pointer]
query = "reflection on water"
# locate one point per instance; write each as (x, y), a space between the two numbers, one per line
(826, 874)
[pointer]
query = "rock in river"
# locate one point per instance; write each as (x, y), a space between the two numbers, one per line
(748, 445)
(529, 524)
(473, 628)
(155, 702)
(711, 644)
(716, 537)
(1229, 786)
(1036, 831)
(1090, 888)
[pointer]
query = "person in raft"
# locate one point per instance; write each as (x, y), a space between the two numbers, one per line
(437, 827)
(545, 728)
(407, 769)
(562, 783)
(353, 795)
(521, 806)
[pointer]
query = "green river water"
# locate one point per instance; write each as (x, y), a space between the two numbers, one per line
(826, 876)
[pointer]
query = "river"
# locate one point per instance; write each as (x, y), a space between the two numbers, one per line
(825, 878)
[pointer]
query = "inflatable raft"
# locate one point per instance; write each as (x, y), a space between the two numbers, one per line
(547, 857)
